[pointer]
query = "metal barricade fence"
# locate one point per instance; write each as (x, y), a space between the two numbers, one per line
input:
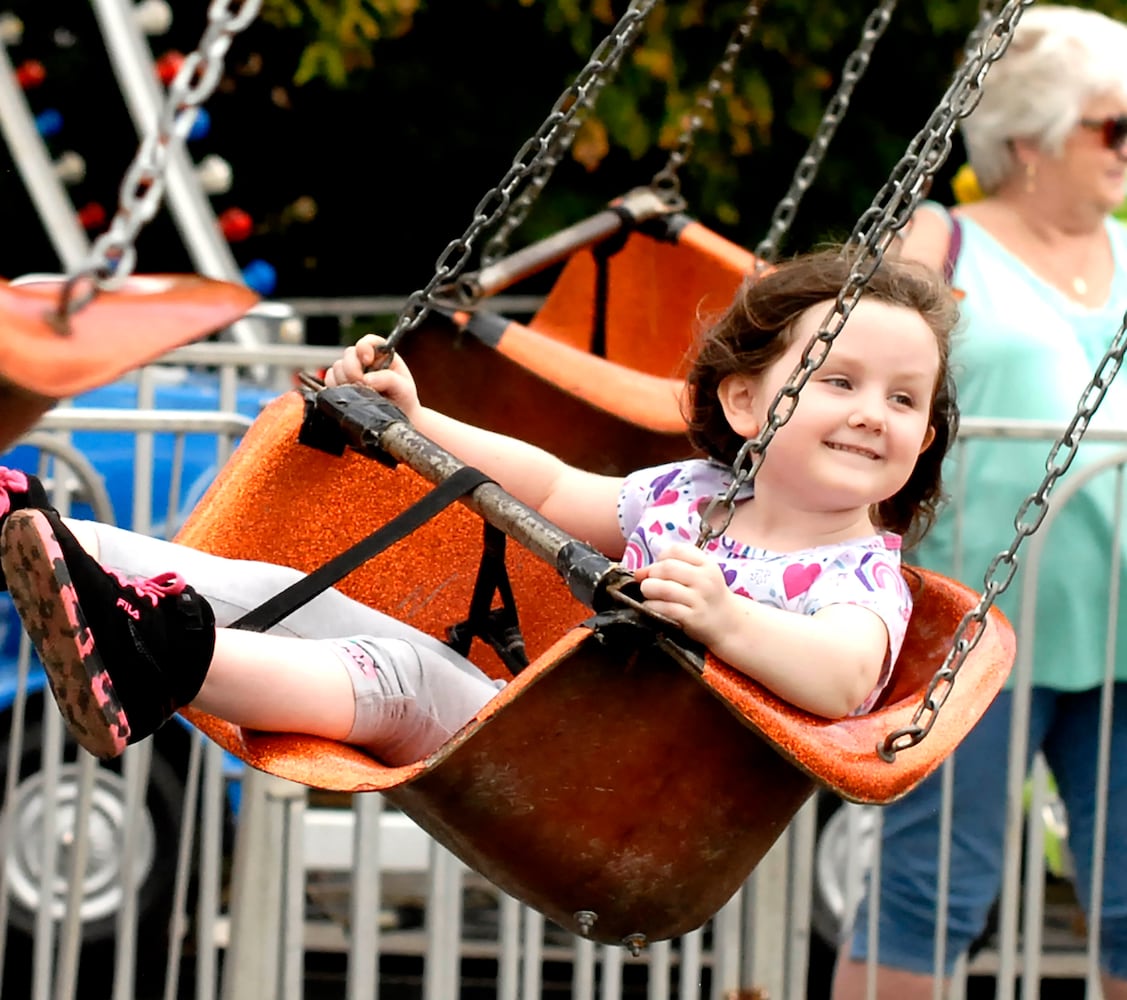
(109, 837)
(265, 874)
(1038, 932)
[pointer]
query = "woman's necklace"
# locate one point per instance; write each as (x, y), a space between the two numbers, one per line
(1077, 285)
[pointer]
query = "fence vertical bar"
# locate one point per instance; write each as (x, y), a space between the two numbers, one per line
(532, 953)
(177, 925)
(508, 961)
(691, 980)
(136, 766)
(583, 971)
(657, 984)
(44, 945)
(253, 962)
(611, 961)
(803, 833)
(1034, 894)
(364, 904)
(443, 923)
(767, 931)
(1103, 751)
(726, 943)
(288, 808)
(70, 938)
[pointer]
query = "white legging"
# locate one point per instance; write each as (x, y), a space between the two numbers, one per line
(418, 695)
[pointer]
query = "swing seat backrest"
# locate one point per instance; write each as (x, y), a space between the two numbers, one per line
(662, 285)
(609, 411)
(606, 777)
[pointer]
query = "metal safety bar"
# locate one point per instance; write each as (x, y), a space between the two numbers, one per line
(373, 427)
(633, 208)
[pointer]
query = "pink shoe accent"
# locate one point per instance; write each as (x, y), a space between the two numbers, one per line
(48, 606)
(153, 589)
(128, 609)
(11, 481)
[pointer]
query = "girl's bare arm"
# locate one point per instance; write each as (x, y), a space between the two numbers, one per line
(581, 503)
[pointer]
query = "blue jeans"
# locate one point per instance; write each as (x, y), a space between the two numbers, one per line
(1064, 726)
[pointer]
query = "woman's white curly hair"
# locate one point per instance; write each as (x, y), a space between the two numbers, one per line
(1059, 59)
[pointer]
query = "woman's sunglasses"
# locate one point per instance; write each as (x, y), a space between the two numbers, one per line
(1112, 130)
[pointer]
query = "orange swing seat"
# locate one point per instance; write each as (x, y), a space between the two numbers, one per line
(615, 788)
(596, 375)
(43, 361)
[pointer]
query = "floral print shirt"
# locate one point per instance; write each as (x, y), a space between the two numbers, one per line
(662, 506)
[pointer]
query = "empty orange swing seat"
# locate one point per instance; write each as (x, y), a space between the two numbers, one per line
(596, 375)
(46, 360)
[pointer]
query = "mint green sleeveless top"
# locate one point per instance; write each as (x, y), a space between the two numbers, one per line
(1024, 350)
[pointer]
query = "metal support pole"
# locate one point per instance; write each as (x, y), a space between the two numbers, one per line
(267, 904)
(30, 155)
(133, 65)
(444, 925)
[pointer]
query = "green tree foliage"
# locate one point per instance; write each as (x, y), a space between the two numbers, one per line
(750, 141)
(343, 32)
(744, 156)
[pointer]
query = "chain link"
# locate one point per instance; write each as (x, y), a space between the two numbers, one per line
(889, 212)
(988, 11)
(606, 68)
(113, 255)
(875, 24)
(1003, 566)
(667, 181)
(496, 201)
(875, 230)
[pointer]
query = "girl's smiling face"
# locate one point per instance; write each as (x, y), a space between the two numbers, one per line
(861, 421)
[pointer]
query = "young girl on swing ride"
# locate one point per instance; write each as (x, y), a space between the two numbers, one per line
(802, 591)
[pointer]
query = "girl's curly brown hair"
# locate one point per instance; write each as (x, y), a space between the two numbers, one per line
(758, 327)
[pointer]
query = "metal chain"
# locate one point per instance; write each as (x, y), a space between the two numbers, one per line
(972, 626)
(874, 231)
(877, 227)
(496, 201)
(1003, 566)
(113, 255)
(987, 14)
(498, 244)
(875, 24)
(667, 181)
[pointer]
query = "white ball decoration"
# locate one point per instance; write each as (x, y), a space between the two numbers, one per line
(214, 174)
(11, 29)
(154, 17)
(70, 168)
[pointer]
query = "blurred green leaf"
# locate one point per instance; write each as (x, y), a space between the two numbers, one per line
(758, 127)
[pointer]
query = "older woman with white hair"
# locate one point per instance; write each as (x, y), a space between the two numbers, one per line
(1041, 266)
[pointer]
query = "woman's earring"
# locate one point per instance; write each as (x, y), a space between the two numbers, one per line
(1030, 177)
